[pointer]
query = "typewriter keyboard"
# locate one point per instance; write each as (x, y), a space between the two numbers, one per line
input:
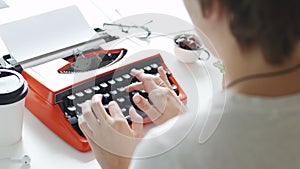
(111, 86)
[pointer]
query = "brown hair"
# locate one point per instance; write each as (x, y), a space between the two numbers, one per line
(273, 25)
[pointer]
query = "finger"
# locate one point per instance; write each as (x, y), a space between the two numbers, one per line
(98, 108)
(146, 79)
(85, 128)
(88, 114)
(149, 82)
(137, 122)
(114, 110)
(163, 76)
(162, 73)
(141, 102)
(146, 107)
(135, 86)
(159, 98)
(160, 82)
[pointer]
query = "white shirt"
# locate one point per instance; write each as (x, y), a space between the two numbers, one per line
(238, 132)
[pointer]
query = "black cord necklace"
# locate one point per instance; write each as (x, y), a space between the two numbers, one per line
(263, 75)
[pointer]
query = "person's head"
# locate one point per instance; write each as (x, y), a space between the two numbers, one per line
(271, 26)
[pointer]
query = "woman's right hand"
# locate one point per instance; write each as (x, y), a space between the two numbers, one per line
(165, 103)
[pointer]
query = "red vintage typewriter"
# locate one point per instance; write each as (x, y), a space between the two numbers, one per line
(58, 87)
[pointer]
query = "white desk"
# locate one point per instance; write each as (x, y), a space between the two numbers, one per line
(48, 151)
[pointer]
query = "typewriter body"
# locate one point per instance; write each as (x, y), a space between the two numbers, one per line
(59, 87)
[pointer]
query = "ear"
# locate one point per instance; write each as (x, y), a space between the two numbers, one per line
(215, 11)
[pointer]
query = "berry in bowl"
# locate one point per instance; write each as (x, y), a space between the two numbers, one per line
(188, 48)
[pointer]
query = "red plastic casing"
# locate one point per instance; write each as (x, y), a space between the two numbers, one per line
(40, 102)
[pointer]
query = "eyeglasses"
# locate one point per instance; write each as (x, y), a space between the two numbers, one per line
(127, 28)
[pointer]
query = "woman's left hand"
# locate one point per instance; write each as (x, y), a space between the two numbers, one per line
(111, 138)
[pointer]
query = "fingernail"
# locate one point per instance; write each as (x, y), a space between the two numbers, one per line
(112, 105)
(133, 71)
(134, 114)
(137, 99)
(126, 88)
(131, 109)
(98, 97)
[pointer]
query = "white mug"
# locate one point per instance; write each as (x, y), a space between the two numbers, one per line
(13, 89)
(188, 55)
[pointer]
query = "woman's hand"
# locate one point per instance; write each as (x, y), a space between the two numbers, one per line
(111, 138)
(165, 103)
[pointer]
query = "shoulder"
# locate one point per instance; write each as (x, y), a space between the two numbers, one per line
(230, 127)
(176, 140)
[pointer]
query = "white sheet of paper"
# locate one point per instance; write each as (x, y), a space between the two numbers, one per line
(41, 34)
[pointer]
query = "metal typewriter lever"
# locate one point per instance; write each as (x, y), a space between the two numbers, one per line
(8, 62)
(92, 59)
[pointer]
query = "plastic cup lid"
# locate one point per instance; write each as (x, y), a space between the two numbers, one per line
(13, 87)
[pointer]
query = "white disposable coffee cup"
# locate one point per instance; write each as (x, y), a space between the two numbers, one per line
(13, 89)
(190, 56)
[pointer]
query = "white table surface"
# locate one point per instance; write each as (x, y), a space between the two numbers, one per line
(47, 150)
